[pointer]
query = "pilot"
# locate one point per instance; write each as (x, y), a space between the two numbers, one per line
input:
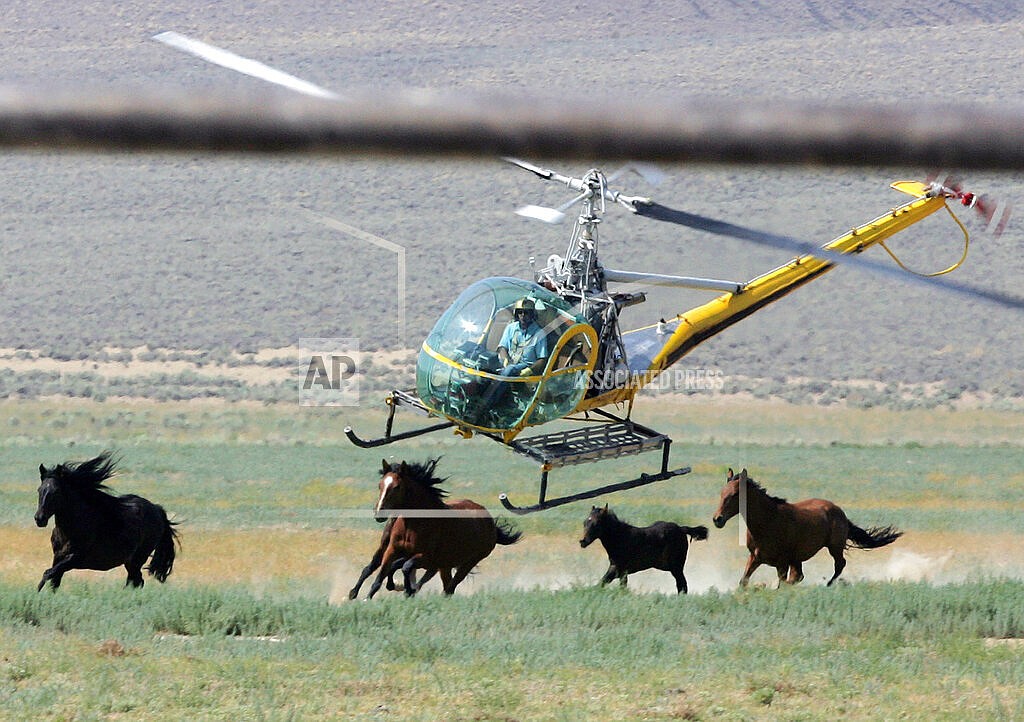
(522, 351)
(523, 347)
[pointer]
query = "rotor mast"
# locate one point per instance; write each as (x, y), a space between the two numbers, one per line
(579, 276)
(579, 273)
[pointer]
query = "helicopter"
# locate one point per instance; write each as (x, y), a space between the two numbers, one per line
(591, 360)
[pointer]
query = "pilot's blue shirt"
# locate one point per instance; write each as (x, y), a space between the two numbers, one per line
(524, 347)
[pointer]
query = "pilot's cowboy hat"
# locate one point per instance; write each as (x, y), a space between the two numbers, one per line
(525, 304)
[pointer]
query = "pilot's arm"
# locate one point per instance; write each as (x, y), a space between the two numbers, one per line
(539, 350)
(504, 343)
(534, 368)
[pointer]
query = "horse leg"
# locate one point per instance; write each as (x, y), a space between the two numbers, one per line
(446, 579)
(752, 564)
(388, 567)
(367, 571)
(135, 579)
(409, 575)
(681, 587)
(782, 571)
(612, 573)
(134, 566)
(54, 573)
(796, 573)
(837, 555)
(53, 576)
(392, 587)
(427, 576)
(460, 574)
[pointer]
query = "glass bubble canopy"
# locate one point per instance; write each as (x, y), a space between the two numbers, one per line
(458, 372)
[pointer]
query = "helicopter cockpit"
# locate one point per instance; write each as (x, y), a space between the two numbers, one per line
(459, 374)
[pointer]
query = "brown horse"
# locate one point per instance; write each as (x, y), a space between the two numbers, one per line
(446, 539)
(784, 535)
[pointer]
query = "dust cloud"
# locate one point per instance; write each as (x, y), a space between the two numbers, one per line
(555, 563)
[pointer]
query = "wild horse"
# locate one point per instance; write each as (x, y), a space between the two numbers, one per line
(784, 535)
(446, 539)
(95, 529)
(662, 545)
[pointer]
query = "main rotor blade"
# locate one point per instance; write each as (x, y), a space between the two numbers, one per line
(541, 213)
(650, 173)
(254, 68)
(788, 243)
(544, 173)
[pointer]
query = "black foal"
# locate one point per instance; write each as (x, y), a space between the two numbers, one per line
(662, 545)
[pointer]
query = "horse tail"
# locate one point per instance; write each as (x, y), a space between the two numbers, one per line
(162, 563)
(507, 532)
(697, 533)
(872, 538)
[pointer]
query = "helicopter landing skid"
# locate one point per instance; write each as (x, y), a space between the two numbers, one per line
(612, 439)
(394, 400)
(608, 439)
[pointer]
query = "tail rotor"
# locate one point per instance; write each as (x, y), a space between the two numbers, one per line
(993, 211)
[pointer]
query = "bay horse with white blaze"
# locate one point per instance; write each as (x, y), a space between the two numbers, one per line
(95, 529)
(662, 545)
(784, 535)
(429, 534)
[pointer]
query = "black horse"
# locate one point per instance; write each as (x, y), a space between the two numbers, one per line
(662, 545)
(94, 529)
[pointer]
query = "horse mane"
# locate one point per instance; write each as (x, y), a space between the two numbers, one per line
(612, 516)
(87, 476)
(423, 474)
(758, 487)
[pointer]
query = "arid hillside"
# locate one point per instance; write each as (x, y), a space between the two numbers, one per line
(183, 252)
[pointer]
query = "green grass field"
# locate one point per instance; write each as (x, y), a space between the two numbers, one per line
(274, 507)
(863, 651)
